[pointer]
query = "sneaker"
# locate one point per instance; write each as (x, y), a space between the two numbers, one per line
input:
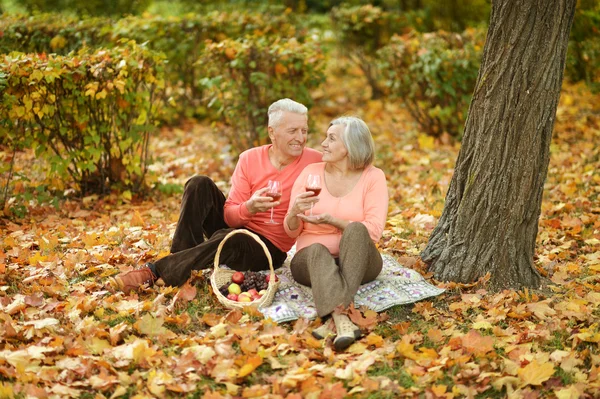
(133, 280)
(346, 332)
(323, 331)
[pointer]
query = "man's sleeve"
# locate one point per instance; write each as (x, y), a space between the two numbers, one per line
(235, 211)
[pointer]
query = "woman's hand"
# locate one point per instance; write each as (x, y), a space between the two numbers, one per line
(260, 202)
(302, 203)
(323, 218)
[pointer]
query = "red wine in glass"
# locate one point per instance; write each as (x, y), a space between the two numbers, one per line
(315, 190)
(274, 191)
(275, 196)
(313, 183)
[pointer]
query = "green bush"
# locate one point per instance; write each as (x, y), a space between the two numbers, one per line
(89, 115)
(52, 33)
(434, 74)
(361, 31)
(246, 75)
(583, 57)
(88, 7)
(182, 39)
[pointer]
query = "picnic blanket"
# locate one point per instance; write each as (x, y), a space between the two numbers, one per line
(395, 285)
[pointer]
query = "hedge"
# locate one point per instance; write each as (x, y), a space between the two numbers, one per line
(90, 116)
(246, 75)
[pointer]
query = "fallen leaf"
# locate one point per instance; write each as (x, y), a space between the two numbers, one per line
(535, 373)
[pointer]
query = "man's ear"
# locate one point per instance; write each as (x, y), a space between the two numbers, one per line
(271, 133)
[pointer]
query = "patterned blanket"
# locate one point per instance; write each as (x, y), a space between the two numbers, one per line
(395, 285)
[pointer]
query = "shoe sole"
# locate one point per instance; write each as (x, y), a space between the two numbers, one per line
(342, 343)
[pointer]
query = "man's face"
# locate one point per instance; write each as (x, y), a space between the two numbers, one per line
(289, 136)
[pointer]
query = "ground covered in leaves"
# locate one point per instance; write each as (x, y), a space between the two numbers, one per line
(64, 334)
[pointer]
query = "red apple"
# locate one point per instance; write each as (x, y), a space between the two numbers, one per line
(232, 297)
(268, 278)
(253, 292)
(237, 277)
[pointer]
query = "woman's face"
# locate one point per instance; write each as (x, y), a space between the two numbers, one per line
(334, 149)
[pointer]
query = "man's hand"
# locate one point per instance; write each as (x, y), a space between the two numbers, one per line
(323, 218)
(302, 203)
(260, 202)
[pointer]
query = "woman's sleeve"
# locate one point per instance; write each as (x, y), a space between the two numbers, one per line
(296, 189)
(376, 204)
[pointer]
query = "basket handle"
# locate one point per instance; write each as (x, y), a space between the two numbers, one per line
(256, 238)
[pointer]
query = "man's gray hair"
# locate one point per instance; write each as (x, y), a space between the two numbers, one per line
(358, 141)
(277, 109)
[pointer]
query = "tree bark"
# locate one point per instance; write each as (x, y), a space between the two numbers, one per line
(490, 218)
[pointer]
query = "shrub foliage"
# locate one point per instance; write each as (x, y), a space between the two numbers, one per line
(434, 74)
(246, 75)
(90, 115)
(361, 31)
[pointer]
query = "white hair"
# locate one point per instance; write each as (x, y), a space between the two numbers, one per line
(277, 109)
(358, 141)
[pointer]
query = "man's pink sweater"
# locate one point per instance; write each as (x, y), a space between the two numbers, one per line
(366, 203)
(252, 172)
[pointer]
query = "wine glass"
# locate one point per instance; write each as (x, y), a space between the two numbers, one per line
(313, 183)
(274, 191)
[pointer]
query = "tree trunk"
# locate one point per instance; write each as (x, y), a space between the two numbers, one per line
(490, 218)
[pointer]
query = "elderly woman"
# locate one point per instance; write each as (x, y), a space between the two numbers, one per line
(336, 249)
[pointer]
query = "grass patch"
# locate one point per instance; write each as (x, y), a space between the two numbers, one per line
(491, 393)
(394, 371)
(116, 319)
(566, 377)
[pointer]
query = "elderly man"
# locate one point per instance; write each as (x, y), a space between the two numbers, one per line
(206, 213)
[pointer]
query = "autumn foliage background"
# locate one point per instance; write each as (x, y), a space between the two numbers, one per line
(63, 333)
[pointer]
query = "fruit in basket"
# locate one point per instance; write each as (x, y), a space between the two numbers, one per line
(262, 292)
(234, 289)
(268, 278)
(237, 277)
(224, 290)
(232, 297)
(244, 297)
(253, 292)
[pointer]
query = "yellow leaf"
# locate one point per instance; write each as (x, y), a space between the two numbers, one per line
(406, 349)
(439, 390)
(251, 365)
(426, 142)
(375, 340)
(33, 260)
(535, 373)
(97, 345)
(58, 42)
(6, 391)
(567, 393)
(36, 75)
(151, 326)
(101, 94)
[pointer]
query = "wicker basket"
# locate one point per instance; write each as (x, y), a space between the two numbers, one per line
(221, 276)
